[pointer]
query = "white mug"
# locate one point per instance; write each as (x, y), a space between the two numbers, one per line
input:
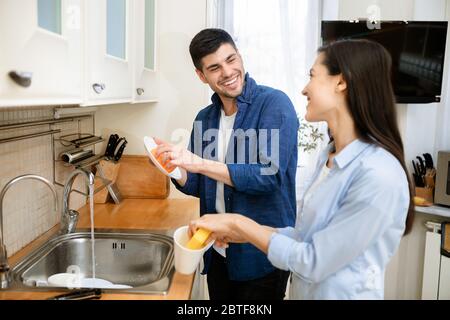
(187, 260)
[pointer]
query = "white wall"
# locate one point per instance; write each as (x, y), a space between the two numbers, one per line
(181, 94)
(426, 12)
(389, 10)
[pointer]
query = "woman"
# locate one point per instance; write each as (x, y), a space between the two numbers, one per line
(359, 204)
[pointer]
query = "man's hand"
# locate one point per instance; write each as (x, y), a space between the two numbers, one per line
(176, 156)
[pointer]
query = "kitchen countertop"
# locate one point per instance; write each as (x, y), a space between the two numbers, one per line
(130, 214)
(434, 210)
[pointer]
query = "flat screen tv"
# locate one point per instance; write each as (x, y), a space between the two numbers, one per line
(417, 49)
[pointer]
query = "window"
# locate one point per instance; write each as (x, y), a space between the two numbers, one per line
(149, 50)
(116, 28)
(278, 41)
(49, 15)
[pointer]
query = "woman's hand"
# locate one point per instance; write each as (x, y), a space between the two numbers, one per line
(176, 156)
(222, 226)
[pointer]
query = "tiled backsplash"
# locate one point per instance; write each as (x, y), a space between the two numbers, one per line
(28, 206)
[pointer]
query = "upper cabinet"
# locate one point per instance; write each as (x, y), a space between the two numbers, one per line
(85, 52)
(40, 56)
(145, 77)
(108, 52)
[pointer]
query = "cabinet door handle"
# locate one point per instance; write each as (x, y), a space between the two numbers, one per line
(140, 91)
(98, 87)
(22, 78)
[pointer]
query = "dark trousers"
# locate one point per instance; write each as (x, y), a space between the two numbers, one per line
(269, 287)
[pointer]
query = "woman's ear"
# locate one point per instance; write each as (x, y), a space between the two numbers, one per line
(342, 84)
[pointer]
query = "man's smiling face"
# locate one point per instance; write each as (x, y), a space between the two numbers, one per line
(223, 71)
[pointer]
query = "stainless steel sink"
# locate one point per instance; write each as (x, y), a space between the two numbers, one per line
(141, 259)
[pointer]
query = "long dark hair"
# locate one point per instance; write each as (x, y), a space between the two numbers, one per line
(366, 67)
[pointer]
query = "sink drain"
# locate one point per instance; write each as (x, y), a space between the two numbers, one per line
(116, 246)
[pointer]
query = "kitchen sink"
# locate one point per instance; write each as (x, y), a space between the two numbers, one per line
(140, 259)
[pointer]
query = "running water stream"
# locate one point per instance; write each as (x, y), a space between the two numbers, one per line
(91, 207)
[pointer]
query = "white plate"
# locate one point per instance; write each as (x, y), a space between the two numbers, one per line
(73, 280)
(95, 283)
(101, 284)
(66, 280)
(150, 144)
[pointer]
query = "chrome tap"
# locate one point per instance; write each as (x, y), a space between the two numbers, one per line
(5, 278)
(69, 217)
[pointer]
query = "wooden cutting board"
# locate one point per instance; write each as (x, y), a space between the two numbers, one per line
(139, 179)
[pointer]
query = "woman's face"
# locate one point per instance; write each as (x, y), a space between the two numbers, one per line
(325, 92)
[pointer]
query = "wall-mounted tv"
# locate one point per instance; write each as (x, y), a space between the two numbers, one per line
(417, 49)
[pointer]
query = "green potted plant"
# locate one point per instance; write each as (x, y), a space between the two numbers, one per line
(309, 141)
(309, 136)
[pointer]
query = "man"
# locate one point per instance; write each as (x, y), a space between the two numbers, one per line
(244, 160)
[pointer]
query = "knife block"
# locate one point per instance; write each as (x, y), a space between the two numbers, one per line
(110, 171)
(426, 193)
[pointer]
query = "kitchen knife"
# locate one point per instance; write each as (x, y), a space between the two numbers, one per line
(111, 146)
(416, 171)
(120, 147)
(79, 294)
(418, 177)
(422, 169)
(418, 181)
(428, 160)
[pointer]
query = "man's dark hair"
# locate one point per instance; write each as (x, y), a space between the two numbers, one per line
(206, 42)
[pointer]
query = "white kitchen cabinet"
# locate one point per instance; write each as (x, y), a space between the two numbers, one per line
(41, 49)
(145, 77)
(431, 266)
(436, 271)
(444, 279)
(108, 52)
(77, 52)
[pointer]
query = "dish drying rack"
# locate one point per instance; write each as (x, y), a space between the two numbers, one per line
(79, 141)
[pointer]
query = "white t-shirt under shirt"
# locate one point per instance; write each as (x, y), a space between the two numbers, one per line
(324, 172)
(225, 130)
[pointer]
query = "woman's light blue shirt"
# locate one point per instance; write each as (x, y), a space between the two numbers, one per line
(348, 230)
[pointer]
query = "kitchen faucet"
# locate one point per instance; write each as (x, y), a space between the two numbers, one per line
(69, 217)
(5, 278)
